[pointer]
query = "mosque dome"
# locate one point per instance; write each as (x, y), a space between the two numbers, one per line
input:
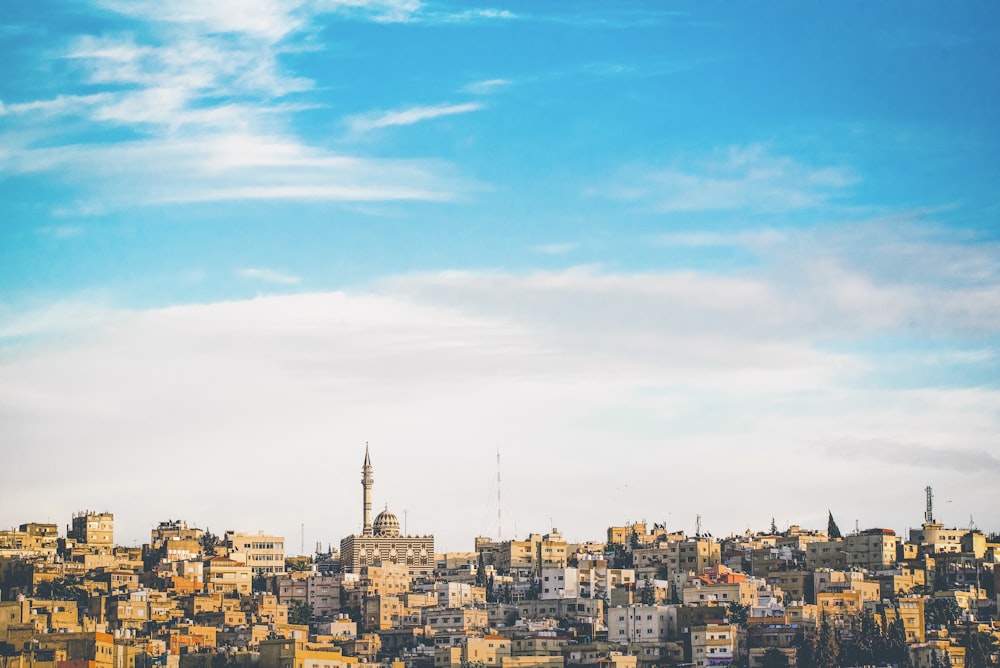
(386, 524)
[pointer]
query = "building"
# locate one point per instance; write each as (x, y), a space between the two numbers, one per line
(265, 555)
(713, 645)
(93, 529)
(381, 541)
(873, 548)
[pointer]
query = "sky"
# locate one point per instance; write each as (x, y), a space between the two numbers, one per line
(558, 264)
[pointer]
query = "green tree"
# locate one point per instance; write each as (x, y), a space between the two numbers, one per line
(298, 564)
(209, 543)
(897, 649)
(481, 571)
(805, 650)
(68, 588)
(738, 613)
(299, 612)
(943, 612)
(827, 647)
(832, 530)
(647, 595)
(977, 649)
(774, 658)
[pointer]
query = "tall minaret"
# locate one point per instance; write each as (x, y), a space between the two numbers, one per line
(366, 483)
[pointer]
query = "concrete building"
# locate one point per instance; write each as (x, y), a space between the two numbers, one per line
(93, 529)
(873, 548)
(714, 645)
(264, 554)
(642, 623)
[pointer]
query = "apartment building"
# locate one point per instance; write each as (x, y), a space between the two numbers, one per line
(264, 554)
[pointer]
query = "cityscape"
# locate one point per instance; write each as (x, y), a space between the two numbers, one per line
(642, 596)
(657, 333)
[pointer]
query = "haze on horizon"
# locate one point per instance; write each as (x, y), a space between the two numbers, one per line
(670, 259)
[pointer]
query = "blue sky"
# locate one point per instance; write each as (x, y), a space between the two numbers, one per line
(739, 260)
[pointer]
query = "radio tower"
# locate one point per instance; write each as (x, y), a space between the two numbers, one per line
(929, 513)
(499, 522)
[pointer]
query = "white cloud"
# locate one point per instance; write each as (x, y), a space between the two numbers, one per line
(269, 276)
(61, 231)
(220, 167)
(555, 249)
(487, 86)
(570, 369)
(743, 177)
(409, 116)
(755, 239)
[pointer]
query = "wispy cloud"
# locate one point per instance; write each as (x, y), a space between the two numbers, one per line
(487, 86)
(220, 167)
(269, 276)
(409, 116)
(888, 453)
(754, 239)
(61, 231)
(555, 249)
(207, 105)
(744, 177)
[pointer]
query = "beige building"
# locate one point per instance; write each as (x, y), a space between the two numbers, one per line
(93, 529)
(265, 555)
(826, 554)
(224, 575)
(488, 650)
(455, 619)
(642, 624)
(874, 548)
(298, 654)
(667, 560)
(933, 538)
(714, 644)
(382, 541)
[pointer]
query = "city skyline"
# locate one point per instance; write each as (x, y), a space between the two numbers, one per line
(668, 260)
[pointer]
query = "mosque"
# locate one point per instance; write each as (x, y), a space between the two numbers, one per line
(381, 542)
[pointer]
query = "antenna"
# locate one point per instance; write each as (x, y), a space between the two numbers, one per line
(929, 513)
(499, 522)
(697, 525)
(302, 540)
(405, 516)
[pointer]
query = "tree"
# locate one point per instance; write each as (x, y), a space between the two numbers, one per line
(481, 571)
(805, 650)
(897, 649)
(774, 658)
(647, 595)
(298, 564)
(827, 647)
(68, 588)
(491, 594)
(977, 649)
(943, 611)
(738, 613)
(832, 530)
(299, 612)
(209, 543)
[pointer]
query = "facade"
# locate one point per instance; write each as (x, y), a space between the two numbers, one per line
(559, 583)
(713, 645)
(265, 555)
(94, 529)
(874, 548)
(381, 541)
(641, 623)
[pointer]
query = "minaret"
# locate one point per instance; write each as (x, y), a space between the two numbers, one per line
(366, 483)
